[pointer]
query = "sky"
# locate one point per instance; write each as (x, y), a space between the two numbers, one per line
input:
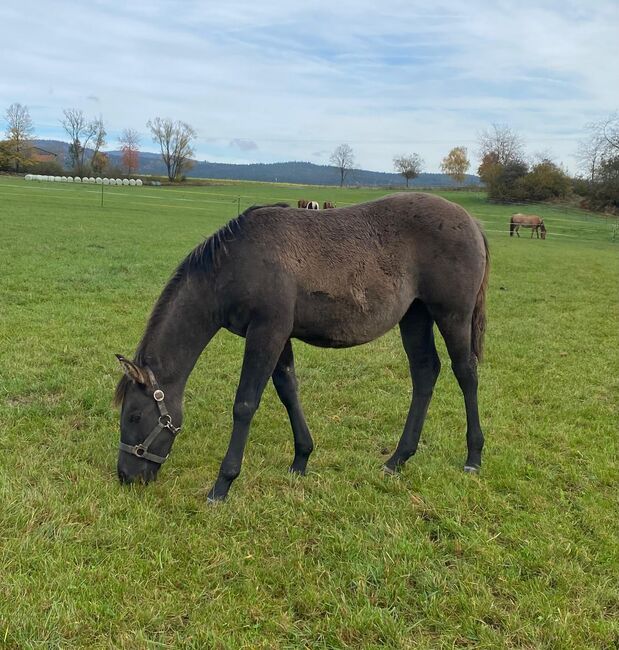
(275, 80)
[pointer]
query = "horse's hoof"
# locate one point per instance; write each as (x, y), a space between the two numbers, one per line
(471, 469)
(390, 471)
(215, 499)
(296, 472)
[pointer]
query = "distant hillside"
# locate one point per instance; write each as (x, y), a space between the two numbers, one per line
(286, 172)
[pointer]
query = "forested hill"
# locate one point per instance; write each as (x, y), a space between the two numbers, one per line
(284, 172)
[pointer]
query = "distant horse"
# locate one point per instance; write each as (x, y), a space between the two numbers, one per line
(313, 205)
(302, 203)
(527, 221)
(333, 280)
(327, 205)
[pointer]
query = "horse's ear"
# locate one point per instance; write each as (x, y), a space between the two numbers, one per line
(132, 370)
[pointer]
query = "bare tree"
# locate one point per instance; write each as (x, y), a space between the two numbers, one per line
(456, 163)
(99, 133)
(19, 132)
(174, 139)
(343, 158)
(130, 146)
(74, 123)
(590, 154)
(409, 166)
(601, 144)
(610, 132)
(505, 145)
(82, 133)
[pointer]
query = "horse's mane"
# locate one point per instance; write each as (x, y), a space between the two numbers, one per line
(205, 257)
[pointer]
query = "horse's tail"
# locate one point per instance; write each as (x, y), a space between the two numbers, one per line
(512, 227)
(478, 325)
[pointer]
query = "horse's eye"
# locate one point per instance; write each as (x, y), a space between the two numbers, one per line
(135, 417)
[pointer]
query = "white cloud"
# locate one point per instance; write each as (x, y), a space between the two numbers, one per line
(387, 78)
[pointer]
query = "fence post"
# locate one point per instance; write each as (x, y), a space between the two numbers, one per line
(101, 192)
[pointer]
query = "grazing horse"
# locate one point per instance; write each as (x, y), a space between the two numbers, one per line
(327, 205)
(332, 280)
(313, 205)
(302, 203)
(527, 221)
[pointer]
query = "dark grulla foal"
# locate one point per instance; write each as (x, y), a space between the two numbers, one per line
(334, 280)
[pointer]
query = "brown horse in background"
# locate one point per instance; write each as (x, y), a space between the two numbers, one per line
(334, 280)
(527, 221)
(328, 205)
(302, 203)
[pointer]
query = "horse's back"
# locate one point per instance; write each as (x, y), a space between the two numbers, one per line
(526, 219)
(353, 272)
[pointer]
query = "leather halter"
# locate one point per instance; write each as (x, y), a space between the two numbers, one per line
(164, 422)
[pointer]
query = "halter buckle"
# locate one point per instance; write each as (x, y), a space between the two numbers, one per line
(158, 395)
(139, 450)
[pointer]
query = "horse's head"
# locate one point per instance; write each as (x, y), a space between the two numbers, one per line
(149, 421)
(542, 228)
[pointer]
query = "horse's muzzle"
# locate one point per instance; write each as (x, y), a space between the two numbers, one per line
(142, 475)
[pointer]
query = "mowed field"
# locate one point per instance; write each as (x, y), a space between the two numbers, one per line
(524, 555)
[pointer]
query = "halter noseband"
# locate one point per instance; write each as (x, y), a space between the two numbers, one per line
(164, 422)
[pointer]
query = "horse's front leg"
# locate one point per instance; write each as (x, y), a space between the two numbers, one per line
(263, 346)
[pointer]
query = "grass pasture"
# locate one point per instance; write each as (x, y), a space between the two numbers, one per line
(526, 555)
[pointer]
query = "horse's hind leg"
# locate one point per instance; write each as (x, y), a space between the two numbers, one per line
(285, 382)
(418, 340)
(457, 334)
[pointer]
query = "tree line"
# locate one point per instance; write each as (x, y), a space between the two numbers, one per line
(87, 138)
(504, 168)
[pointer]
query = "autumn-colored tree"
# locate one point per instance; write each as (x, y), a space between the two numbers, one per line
(129, 146)
(99, 162)
(343, 158)
(456, 164)
(6, 161)
(409, 166)
(546, 180)
(19, 132)
(174, 140)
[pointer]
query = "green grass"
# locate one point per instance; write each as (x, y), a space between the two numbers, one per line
(523, 556)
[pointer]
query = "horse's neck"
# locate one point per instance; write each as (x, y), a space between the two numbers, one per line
(182, 329)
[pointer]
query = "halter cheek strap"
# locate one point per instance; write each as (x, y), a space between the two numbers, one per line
(164, 422)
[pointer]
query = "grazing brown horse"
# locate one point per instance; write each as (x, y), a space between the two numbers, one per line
(327, 205)
(313, 205)
(527, 221)
(333, 280)
(302, 203)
